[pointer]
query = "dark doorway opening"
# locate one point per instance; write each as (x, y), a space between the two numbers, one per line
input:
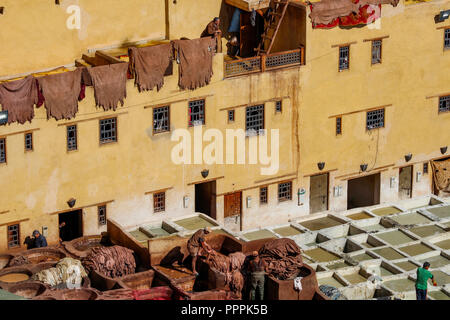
(405, 182)
(250, 35)
(364, 191)
(205, 198)
(318, 193)
(73, 225)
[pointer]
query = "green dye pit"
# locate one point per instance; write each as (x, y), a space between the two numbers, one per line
(306, 260)
(359, 216)
(444, 244)
(426, 231)
(322, 223)
(260, 234)
(362, 257)
(438, 295)
(338, 265)
(194, 223)
(441, 277)
(287, 231)
(441, 212)
(368, 245)
(388, 253)
(159, 232)
(380, 271)
(395, 237)
(436, 261)
(411, 218)
(373, 228)
(330, 281)
(406, 265)
(415, 249)
(386, 211)
(321, 255)
(355, 278)
(400, 285)
(139, 236)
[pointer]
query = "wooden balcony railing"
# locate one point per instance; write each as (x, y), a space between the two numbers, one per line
(264, 62)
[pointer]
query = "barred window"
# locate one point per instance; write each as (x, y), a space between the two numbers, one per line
(102, 215)
(425, 168)
(14, 236)
(3, 150)
(161, 119)
(263, 195)
(72, 143)
(196, 112)
(29, 141)
(375, 119)
(444, 104)
(285, 191)
(254, 120)
(159, 202)
(447, 38)
(376, 51)
(338, 125)
(108, 130)
(278, 106)
(230, 115)
(344, 57)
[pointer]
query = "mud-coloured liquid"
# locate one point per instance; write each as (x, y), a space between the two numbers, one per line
(426, 231)
(415, 249)
(260, 234)
(441, 277)
(379, 271)
(355, 278)
(388, 253)
(175, 272)
(441, 212)
(362, 257)
(330, 281)
(386, 211)
(400, 285)
(194, 223)
(438, 295)
(359, 216)
(321, 255)
(406, 265)
(444, 244)
(14, 277)
(411, 218)
(436, 261)
(139, 235)
(321, 223)
(287, 231)
(368, 245)
(394, 237)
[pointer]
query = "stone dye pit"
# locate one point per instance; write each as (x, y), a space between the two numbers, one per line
(439, 295)
(362, 257)
(14, 277)
(445, 244)
(406, 265)
(385, 211)
(415, 249)
(354, 278)
(321, 223)
(411, 218)
(427, 231)
(321, 255)
(441, 212)
(194, 223)
(330, 281)
(395, 237)
(359, 216)
(436, 261)
(400, 285)
(388, 253)
(260, 234)
(288, 231)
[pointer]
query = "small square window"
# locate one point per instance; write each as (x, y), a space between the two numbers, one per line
(2, 150)
(108, 130)
(230, 115)
(14, 236)
(375, 119)
(376, 51)
(161, 119)
(425, 168)
(254, 120)
(278, 106)
(102, 215)
(263, 195)
(159, 202)
(285, 191)
(338, 125)
(444, 104)
(72, 143)
(447, 38)
(29, 141)
(344, 58)
(196, 112)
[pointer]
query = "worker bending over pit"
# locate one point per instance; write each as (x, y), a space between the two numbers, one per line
(422, 281)
(257, 278)
(196, 243)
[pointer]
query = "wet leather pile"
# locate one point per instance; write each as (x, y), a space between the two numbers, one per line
(18, 261)
(112, 262)
(282, 258)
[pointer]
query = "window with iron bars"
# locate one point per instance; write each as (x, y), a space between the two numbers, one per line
(278, 106)
(196, 112)
(230, 115)
(3, 150)
(344, 57)
(376, 51)
(101, 215)
(159, 202)
(254, 120)
(14, 236)
(263, 195)
(161, 119)
(447, 38)
(29, 141)
(72, 143)
(285, 191)
(338, 125)
(375, 119)
(444, 104)
(108, 130)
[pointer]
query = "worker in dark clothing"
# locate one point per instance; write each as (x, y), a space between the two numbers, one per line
(212, 29)
(233, 47)
(422, 281)
(196, 243)
(257, 278)
(29, 241)
(39, 240)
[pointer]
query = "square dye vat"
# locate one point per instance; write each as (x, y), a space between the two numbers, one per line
(415, 249)
(362, 257)
(427, 231)
(388, 253)
(406, 265)
(411, 218)
(321, 223)
(400, 285)
(354, 278)
(321, 255)
(436, 261)
(288, 231)
(441, 277)
(386, 211)
(441, 212)
(395, 237)
(194, 223)
(260, 234)
(438, 295)
(330, 281)
(359, 216)
(445, 244)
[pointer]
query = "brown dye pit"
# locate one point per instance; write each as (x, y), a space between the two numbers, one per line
(362, 257)
(355, 278)
(411, 218)
(444, 244)
(438, 295)
(175, 272)
(386, 211)
(287, 231)
(441, 277)
(373, 228)
(338, 265)
(426, 231)
(400, 285)
(359, 216)
(88, 245)
(330, 281)
(441, 212)
(388, 253)
(436, 261)
(260, 234)
(395, 237)
(194, 223)
(321, 223)
(415, 249)
(14, 277)
(406, 265)
(43, 258)
(28, 290)
(321, 255)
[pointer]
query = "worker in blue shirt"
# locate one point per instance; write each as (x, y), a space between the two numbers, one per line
(39, 240)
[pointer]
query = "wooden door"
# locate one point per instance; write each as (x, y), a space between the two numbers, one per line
(405, 183)
(232, 211)
(318, 193)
